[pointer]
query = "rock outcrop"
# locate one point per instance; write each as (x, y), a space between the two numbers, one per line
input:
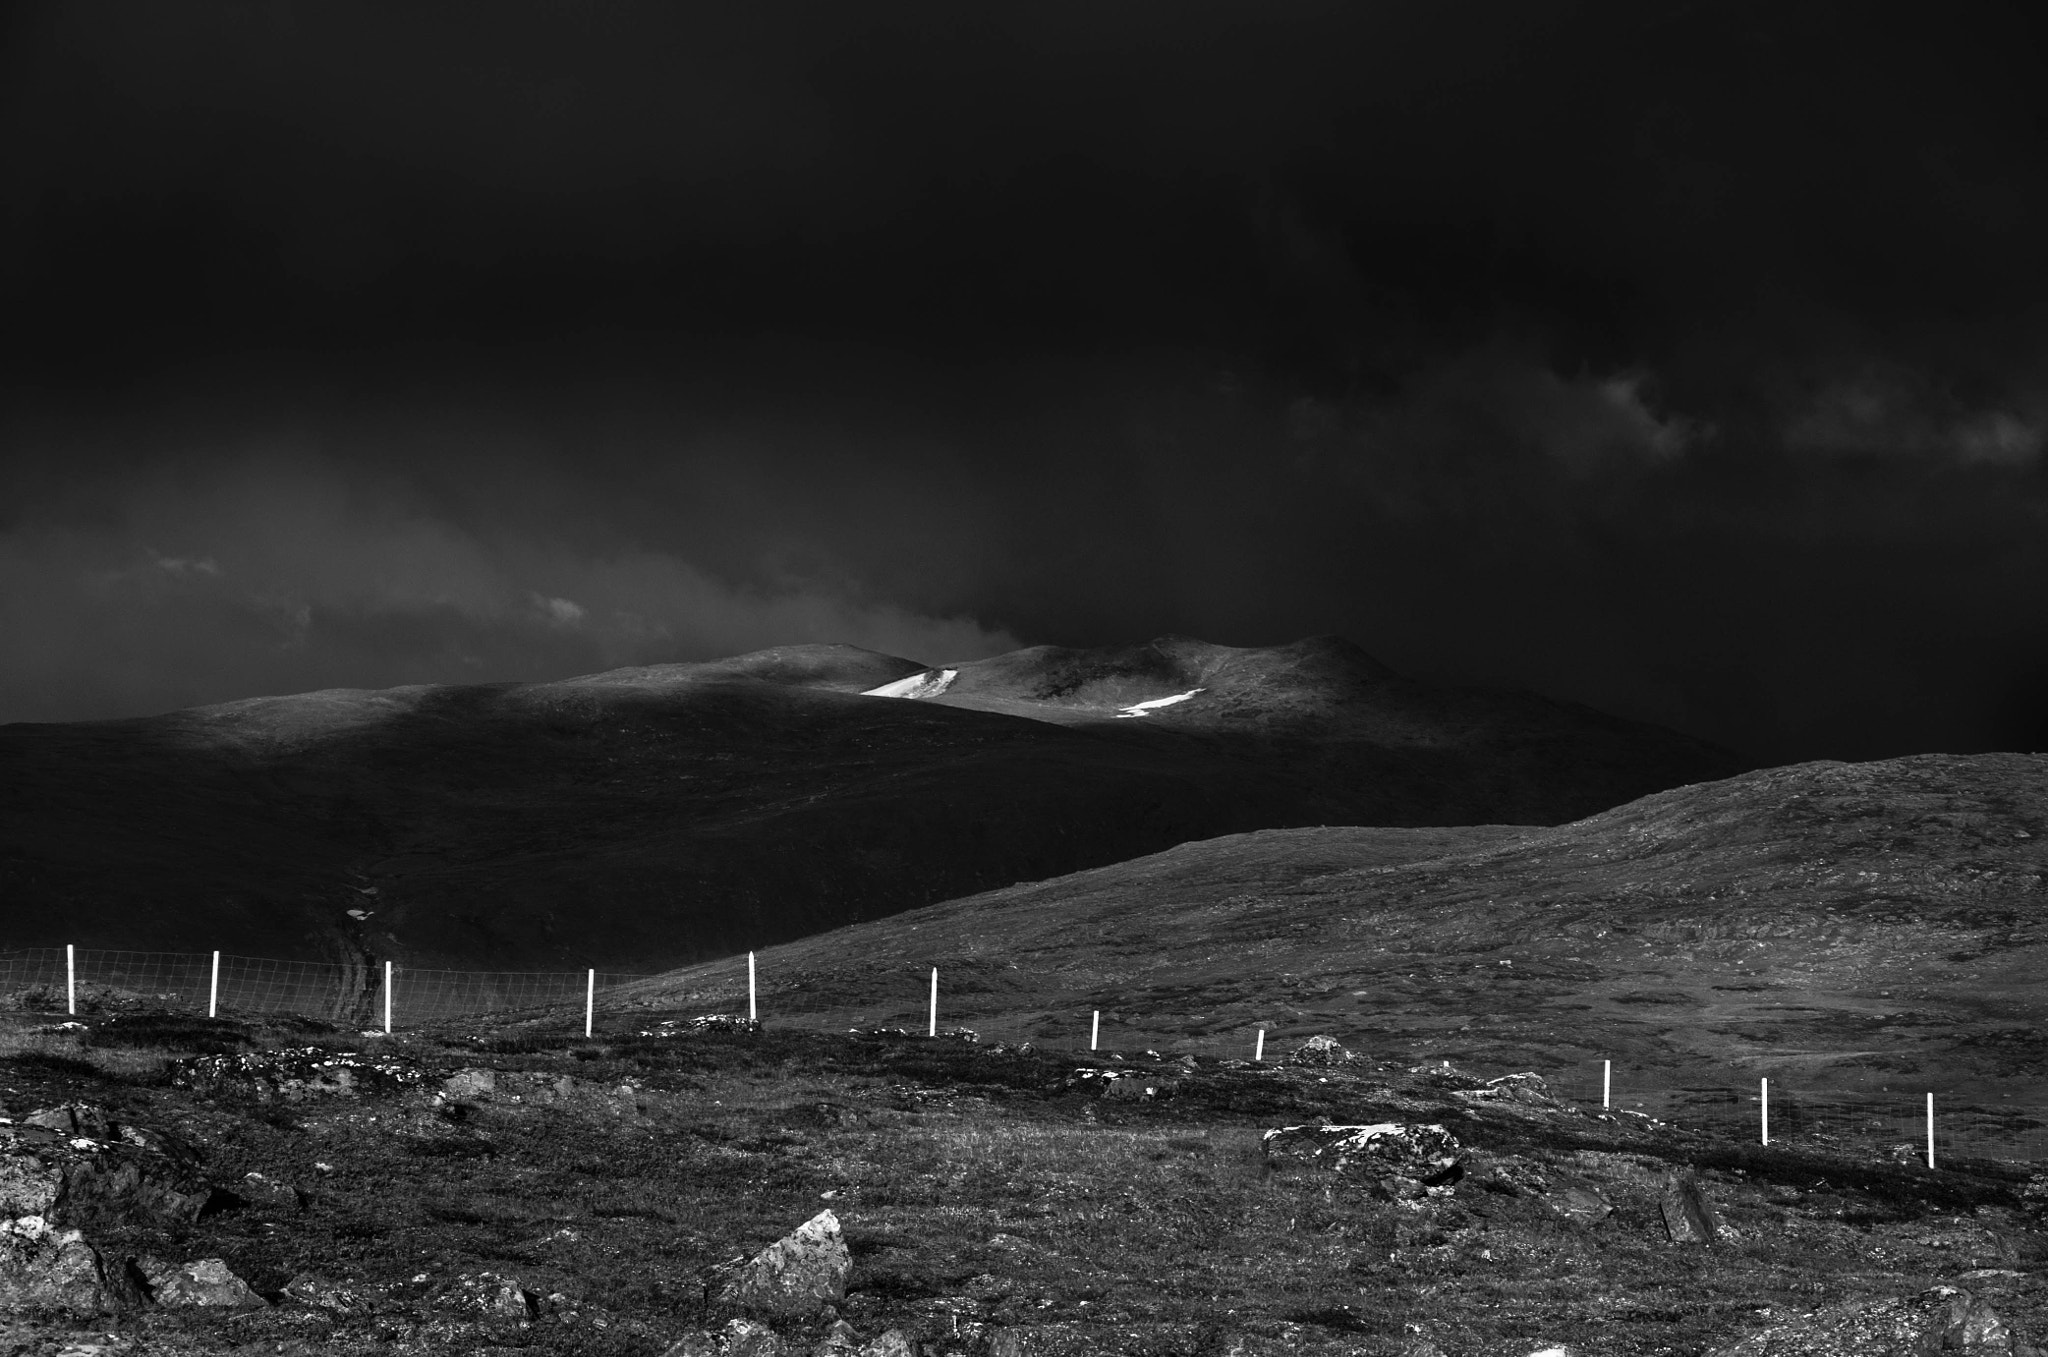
(45, 1268)
(1395, 1161)
(297, 1072)
(70, 1168)
(1133, 1084)
(1689, 1218)
(793, 1278)
(1571, 1197)
(207, 1283)
(1319, 1052)
(739, 1338)
(324, 1293)
(73, 1166)
(485, 1295)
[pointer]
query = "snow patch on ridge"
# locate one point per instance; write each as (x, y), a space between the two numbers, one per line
(930, 683)
(1145, 708)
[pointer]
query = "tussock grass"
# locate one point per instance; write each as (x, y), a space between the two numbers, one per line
(65, 1055)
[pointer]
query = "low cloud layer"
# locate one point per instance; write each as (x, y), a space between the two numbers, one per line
(292, 574)
(1688, 361)
(1889, 411)
(1497, 517)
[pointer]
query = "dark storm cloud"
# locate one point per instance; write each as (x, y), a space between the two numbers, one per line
(1685, 360)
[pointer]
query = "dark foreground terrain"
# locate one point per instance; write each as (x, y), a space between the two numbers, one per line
(520, 1190)
(650, 817)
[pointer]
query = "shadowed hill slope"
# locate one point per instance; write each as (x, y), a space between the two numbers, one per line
(651, 816)
(1828, 923)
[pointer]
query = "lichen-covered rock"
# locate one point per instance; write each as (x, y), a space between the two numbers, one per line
(1004, 1048)
(1400, 1162)
(739, 1338)
(889, 1343)
(485, 1294)
(258, 1189)
(749, 1338)
(207, 1283)
(30, 1183)
(839, 1341)
(1579, 1202)
(1528, 1089)
(1689, 1218)
(297, 1072)
(1942, 1319)
(45, 1268)
(509, 1091)
(1507, 1175)
(1134, 1085)
(794, 1277)
(1444, 1075)
(466, 1085)
(706, 1022)
(324, 1293)
(1562, 1194)
(74, 1166)
(1320, 1051)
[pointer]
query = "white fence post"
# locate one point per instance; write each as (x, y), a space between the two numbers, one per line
(589, 1000)
(1930, 1130)
(1606, 1084)
(753, 1015)
(932, 1028)
(1095, 1030)
(1259, 1047)
(387, 998)
(71, 979)
(1764, 1089)
(213, 990)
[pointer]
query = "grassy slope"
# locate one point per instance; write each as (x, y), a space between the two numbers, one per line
(1828, 924)
(651, 816)
(980, 1194)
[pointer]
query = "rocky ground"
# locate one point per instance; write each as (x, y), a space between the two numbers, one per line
(178, 1185)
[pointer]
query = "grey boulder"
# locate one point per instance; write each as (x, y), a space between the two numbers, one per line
(1689, 1218)
(1397, 1161)
(43, 1268)
(207, 1283)
(796, 1276)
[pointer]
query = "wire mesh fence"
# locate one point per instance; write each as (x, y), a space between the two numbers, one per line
(966, 1000)
(977, 1000)
(1905, 1126)
(95, 980)
(426, 996)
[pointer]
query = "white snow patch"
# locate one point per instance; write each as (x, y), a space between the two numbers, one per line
(1145, 708)
(930, 683)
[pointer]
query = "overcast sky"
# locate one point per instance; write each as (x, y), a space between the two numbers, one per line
(1687, 360)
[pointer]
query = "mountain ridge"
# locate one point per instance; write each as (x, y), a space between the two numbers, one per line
(658, 814)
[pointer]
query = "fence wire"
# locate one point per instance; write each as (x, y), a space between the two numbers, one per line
(1885, 1124)
(980, 1002)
